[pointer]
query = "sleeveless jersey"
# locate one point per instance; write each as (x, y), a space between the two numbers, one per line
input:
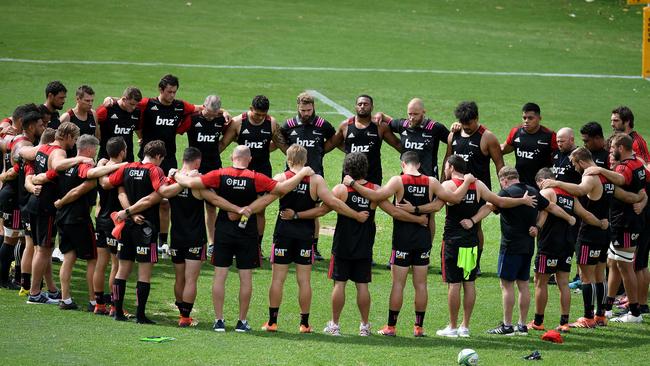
(258, 140)
(140, 180)
(24, 168)
(163, 122)
(424, 139)
(113, 122)
(367, 141)
(77, 211)
(86, 127)
(640, 146)
(353, 240)
(205, 134)
(556, 237)
(298, 200)
(563, 168)
(188, 220)
(311, 136)
(454, 233)
(409, 235)
(43, 204)
(9, 190)
(469, 148)
(622, 215)
(600, 209)
(108, 203)
(532, 151)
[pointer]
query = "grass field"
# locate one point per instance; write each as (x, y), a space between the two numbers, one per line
(342, 49)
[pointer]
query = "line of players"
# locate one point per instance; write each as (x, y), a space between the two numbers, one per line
(142, 187)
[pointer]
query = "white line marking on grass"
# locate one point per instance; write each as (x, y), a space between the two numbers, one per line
(272, 112)
(339, 108)
(318, 68)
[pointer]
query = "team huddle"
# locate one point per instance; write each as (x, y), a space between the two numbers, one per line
(589, 202)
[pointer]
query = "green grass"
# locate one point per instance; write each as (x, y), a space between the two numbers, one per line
(604, 37)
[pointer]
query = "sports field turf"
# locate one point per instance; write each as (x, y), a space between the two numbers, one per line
(348, 47)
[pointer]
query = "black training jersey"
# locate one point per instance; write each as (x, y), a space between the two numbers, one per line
(600, 209)
(563, 168)
(532, 151)
(622, 214)
(140, 180)
(205, 134)
(469, 148)
(108, 203)
(454, 233)
(556, 236)
(517, 221)
(116, 122)
(366, 141)
(601, 158)
(298, 200)
(258, 140)
(354, 240)
(424, 139)
(240, 187)
(409, 235)
(77, 211)
(43, 204)
(25, 168)
(163, 122)
(9, 190)
(188, 219)
(54, 120)
(86, 127)
(312, 136)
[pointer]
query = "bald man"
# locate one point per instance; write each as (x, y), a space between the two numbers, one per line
(420, 134)
(562, 167)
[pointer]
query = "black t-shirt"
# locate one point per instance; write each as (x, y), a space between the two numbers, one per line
(367, 141)
(188, 220)
(113, 122)
(205, 134)
(258, 140)
(354, 240)
(601, 158)
(599, 208)
(424, 139)
(43, 204)
(563, 168)
(516, 221)
(557, 236)
(532, 151)
(140, 180)
(622, 215)
(77, 211)
(312, 136)
(163, 122)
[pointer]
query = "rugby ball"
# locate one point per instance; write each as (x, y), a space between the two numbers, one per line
(468, 357)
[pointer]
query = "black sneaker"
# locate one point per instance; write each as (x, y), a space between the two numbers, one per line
(108, 299)
(54, 295)
(242, 326)
(219, 325)
(11, 285)
(41, 298)
(644, 309)
(521, 330)
(144, 320)
(121, 317)
(70, 306)
(502, 329)
(317, 255)
(90, 307)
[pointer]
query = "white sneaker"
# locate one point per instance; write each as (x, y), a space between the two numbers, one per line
(332, 329)
(57, 255)
(463, 332)
(364, 330)
(164, 251)
(448, 332)
(609, 314)
(628, 318)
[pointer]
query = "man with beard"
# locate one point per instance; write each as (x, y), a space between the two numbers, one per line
(55, 94)
(622, 121)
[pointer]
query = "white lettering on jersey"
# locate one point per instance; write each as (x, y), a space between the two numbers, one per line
(205, 138)
(254, 144)
(525, 154)
(305, 143)
(364, 149)
(122, 130)
(413, 145)
(165, 121)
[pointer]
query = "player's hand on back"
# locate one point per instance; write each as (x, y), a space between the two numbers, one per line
(572, 220)
(138, 219)
(307, 171)
(406, 206)
(423, 220)
(548, 183)
(604, 224)
(530, 200)
(533, 231)
(470, 178)
(287, 214)
(466, 224)
(592, 170)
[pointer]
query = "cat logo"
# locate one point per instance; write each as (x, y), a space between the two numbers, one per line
(454, 143)
(305, 253)
(173, 252)
(279, 252)
(425, 255)
(594, 253)
(634, 237)
(195, 250)
(142, 250)
(400, 255)
(551, 263)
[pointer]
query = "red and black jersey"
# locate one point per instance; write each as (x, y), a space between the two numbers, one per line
(354, 240)
(113, 122)
(601, 158)
(77, 211)
(424, 139)
(600, 208)
(205, 134)
(299, 199)
(366, 141)
(622, 214)
(10, 188)
(140, 180)
(43, 204)
(640, 146)
(532, 151)
(563, 168)
(24, 169)
(311, 135)
(108, 203)
(454, 233)
(556, 237)
(258, 139)
(240, 187)
(163, 122)
(86, 127)
(409, 235)
(469, 148)
(7, 121)
(188, 219)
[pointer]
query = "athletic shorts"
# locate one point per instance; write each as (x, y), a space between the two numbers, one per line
(43, 230)
(106, 240)
(625, 239)
(26, 224)
(182, 252)
(79, 238)
(641, 255)
(591, 254)
(285, 250)
(451, 273)
(546, 263)
(11, 221)
(355, 270)
(415, 257)
(131, 248)
(246, 251)
(514, 267)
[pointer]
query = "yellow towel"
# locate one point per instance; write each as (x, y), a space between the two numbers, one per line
(467, 258)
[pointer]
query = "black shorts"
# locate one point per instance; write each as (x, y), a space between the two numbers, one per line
(190, 252)
(625, 239)
(26, 224)
(451, 273)
(285, 250)
(546, 264)
(642, 252)
(415, 257)
(79, 238)
(514, 267)
(132, 248)
(11, 220)
(43, 230)
(106, 240)
(564, 265)
(246, 251)
(355, 270)
(591, 254)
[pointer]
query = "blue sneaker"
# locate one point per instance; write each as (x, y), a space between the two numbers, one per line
(242, 326)
(219, 325)
(575, 284)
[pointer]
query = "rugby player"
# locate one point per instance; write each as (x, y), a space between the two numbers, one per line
(119, 119)
(622, 121)
(83, 115)
(55, 94)
(594, 140)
